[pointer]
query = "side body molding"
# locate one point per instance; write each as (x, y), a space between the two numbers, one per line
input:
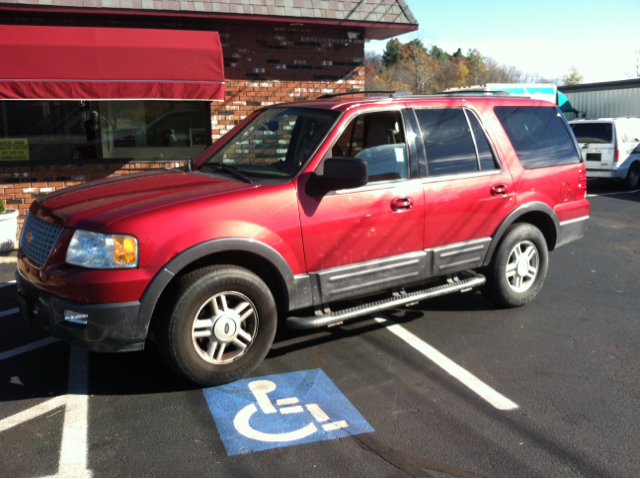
(298, 287)
(513, 216)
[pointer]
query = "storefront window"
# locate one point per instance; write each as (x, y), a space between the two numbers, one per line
(87, 130)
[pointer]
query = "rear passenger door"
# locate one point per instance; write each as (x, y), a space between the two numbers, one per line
(467, 190)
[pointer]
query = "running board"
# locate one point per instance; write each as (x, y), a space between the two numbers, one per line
(311, 322)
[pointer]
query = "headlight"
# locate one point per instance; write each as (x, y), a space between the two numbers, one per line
(102, 251)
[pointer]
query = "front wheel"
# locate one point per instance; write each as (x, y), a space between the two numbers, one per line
(518, 268)
(221, 326)
(632, 181)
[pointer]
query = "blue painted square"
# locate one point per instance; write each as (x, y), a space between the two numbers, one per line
(282, 410)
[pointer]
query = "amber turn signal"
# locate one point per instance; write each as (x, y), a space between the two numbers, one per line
(125, 249)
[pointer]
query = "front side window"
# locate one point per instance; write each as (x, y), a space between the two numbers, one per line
(276, 143)
(538, 135)
(377, 138)
(454, 142)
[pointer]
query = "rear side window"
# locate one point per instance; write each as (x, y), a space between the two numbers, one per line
(539, 136)
(593, 132)
(449, 143)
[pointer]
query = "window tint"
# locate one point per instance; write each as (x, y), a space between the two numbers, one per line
(593, 132)
(538, 135)
(487, 162)
(447, 141)
(377, 138)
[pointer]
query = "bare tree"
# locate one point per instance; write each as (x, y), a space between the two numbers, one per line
(497, 73)
(636, 73)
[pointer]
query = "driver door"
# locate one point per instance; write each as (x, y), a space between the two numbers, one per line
(370, 238)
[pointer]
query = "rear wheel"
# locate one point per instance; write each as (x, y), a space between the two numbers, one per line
(632, 181)
(518, 268)
(221, 326)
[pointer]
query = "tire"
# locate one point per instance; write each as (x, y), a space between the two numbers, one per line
(226, 305)
(632, 181)
(513, 282)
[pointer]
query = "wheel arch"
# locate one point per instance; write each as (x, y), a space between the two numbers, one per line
(536, 213)
(289, 291)
(634, 163)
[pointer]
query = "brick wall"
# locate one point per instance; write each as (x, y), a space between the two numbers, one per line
(263, 66)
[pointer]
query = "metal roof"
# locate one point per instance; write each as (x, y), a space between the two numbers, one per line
(380, 18)
(609, 85)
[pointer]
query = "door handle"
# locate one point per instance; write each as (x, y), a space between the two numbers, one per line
(499, 190)
(402, 204)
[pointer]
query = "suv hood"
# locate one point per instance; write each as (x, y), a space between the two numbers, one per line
(92, 206)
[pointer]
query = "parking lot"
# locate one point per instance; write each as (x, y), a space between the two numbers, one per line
(448, 387)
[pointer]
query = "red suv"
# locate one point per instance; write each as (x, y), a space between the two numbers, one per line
(307, 214)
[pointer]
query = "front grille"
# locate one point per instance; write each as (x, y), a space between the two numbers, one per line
(38, 238)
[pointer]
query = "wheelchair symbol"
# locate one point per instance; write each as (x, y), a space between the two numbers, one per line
(260, 389)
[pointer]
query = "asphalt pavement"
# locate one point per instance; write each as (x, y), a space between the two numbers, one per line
(448, 387)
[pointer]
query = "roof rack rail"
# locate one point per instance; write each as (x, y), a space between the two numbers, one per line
(471, 92)
(392, 93)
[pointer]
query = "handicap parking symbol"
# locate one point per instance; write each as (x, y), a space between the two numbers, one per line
(282, 410)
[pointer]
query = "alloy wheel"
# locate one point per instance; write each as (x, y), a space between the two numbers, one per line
(225, 327)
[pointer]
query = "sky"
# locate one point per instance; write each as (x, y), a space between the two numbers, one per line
(546, 37)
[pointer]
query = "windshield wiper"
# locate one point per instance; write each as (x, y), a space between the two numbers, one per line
(230, 169)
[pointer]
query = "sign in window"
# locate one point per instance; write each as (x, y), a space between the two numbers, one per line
(14, 149)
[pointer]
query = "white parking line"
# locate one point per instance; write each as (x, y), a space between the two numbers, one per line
(27, 348)
(73, 452)
(483, 390)
(32, 413)
(7, 283)
(9, 312)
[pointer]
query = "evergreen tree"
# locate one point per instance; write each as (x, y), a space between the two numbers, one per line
(438, 54)
(391, 52)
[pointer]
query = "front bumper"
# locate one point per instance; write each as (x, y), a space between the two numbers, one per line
(109, 328)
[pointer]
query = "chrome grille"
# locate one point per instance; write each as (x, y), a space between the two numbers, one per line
(38, 238)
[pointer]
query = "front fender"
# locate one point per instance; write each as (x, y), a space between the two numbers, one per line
(298, 287)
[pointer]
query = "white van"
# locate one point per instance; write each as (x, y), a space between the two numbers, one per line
(610, 148)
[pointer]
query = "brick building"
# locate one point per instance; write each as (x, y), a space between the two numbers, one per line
(272, 51)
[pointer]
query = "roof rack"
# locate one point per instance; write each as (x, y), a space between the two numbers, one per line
(408, 94)
(391, 93)
(471, 92)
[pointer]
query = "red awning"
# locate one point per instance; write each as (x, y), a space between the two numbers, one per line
(86, 63)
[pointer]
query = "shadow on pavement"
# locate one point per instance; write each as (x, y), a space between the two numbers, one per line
(135, 373)
(614, 189)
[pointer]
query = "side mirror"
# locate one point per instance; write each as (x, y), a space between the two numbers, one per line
(341, 173)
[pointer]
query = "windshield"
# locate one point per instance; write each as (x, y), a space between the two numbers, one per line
(593, 132)
(275, 144)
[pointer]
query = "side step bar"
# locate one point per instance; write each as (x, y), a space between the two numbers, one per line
(311, 322)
